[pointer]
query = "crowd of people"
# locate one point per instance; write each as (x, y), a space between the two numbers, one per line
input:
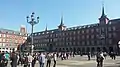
(30, 59)
(101, 56)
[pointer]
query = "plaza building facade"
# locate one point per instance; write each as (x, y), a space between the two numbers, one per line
(10, 39)
(102, 36)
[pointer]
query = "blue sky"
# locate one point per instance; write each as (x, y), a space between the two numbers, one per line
(75, 12)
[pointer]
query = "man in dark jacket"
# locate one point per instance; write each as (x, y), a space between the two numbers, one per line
(2, 60)
(14, 59)
(49, 57)
(99, 59)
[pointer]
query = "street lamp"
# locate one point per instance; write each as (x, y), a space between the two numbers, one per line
(32, 22)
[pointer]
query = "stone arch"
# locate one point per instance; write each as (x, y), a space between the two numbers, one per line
(78, 49)
(74, 49)
(92, 49)
(67, 50)
(71, 49)
(111, 49)
(104, 49)
(63, 49)
(98, 49)
(88, 49)
(83, 50)
(60, 49)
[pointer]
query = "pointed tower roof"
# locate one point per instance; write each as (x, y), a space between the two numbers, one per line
(46, 28)
(103, 19)
(61, 24)
(103, 11)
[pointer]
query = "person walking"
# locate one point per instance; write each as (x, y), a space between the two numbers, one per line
(88, 55)
(49, 57)
(25, 61)
(54, 59)
(7, 58)
(100, 59)
(34, 60)
(3, 60)
(30, 58)
(14, 59)
(41, 59)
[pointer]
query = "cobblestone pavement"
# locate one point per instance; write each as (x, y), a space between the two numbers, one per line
(79, 61)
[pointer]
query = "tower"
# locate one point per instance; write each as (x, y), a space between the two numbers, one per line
(103, 19)
(46, 28)
(61, 26)
(22, 29)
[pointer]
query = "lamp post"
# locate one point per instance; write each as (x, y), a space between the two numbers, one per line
(32, 22)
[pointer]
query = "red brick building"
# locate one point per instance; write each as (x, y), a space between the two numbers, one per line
(10, 39)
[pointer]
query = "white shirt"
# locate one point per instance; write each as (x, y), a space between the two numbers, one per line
(42, 58)
(102, 55)
(55, 57)
(30, 58)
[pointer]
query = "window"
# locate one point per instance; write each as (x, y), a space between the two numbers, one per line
(83, 43)
(78, 32)
(103, 29)
(82, 31)
(109, 28)
(87, 31)
(78, 43)
(103, 42)
(63, 34)
(88, 42)
(74, 32)
(3, 40)
(97, 42)
(78, 37)
(3, 44)
(4, 35)
(74, 43)
(110, 41)
(114, 34)
(92, 36)
(70, 33)
(87, 36)
(109, 35)
(51, 35)
(70, 38)
(83, 37)
(73, 38)
(113, 28)
(0, 44)
(70, 43)
(92, 30)
(66, 33)
(97, 30)
(92, 42)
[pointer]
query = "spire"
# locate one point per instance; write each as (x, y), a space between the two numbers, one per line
(103, 13)
(46, 28)
(103, 19)
(61, 24)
